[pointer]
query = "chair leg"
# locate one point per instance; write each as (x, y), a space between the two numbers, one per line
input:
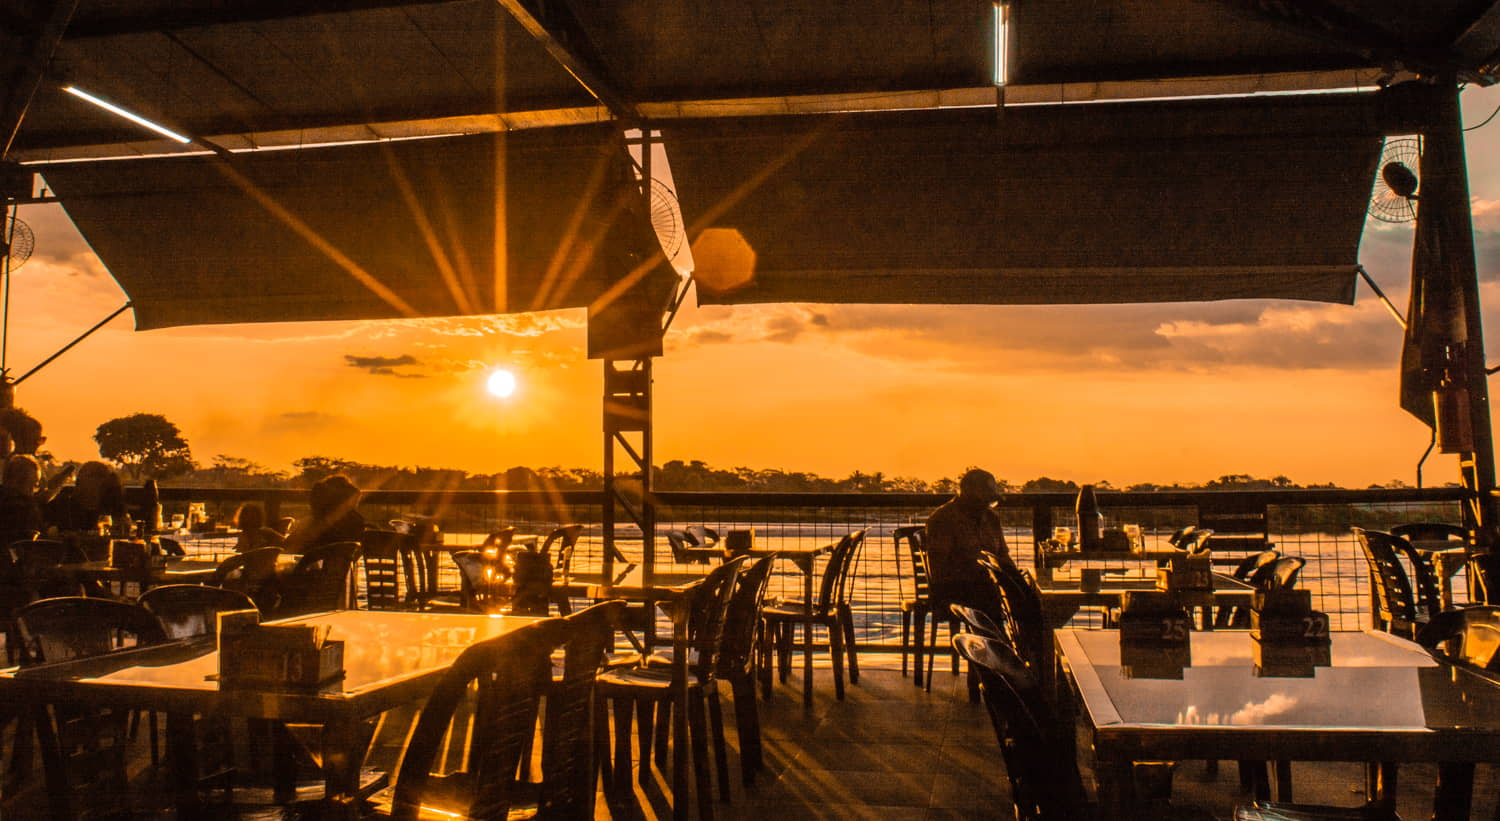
(932, 649)
(603, 768)
(747, 724)
(623, 735)
(905, 639)
(663, 731)
(919, 619)
(763, 663)
(721, 749)
(953, 651)
(645, 717)
(836, 649)
(846, 617)
(697, 732)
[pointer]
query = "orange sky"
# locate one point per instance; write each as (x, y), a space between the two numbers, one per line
(1147, 393)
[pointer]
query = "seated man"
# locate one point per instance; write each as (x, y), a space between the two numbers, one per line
(957, 532)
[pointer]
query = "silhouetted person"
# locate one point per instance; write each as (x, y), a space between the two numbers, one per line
(334, 518)
(96, 491)
(251, 520)
(957, 532)
(20, 511)
(24, 430)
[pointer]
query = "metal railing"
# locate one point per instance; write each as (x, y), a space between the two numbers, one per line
(1313, 524)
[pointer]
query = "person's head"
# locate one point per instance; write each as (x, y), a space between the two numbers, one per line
(25, 432)
(333, 497)
(21, 473)
(979, 487)
(251, 516)
(98, 487)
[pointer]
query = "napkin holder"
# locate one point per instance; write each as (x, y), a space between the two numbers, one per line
(1188, 578)
(1114, 540)
(292, 656)
(1277, 659)
(1153, 617)
(739, 542)
(128, 555)
(1286, 617)
(1155, 659)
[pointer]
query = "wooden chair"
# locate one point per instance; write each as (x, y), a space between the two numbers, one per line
(511, 675)
(829, 610)
(694, 545)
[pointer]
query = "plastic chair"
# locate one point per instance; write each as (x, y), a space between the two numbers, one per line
(511, 674)
(320, 581)
(558, 549)
(688, 548)
(914, 611)
(1283, 572)
(171, 547)
(83, 749)
(1396, 606)
(979, 623)
(380, 552)
(252, 573)
(575, 731)
(1469, 635)
(191, 610)
(830, 610)
(645, 686)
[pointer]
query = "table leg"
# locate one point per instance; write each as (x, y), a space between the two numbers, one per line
(1115, 789)
(342, 756)
(182, 758)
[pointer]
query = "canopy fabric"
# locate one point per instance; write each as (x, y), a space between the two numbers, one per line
(1106, 203)
(465, 225)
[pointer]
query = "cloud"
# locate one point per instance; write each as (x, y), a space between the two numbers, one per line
(1252, 713)
(384, 365)
(298, 422)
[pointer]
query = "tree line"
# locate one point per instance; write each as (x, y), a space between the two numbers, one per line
(146, 445)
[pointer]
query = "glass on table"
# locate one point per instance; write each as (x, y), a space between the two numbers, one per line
(1134, 534)
(1063, 536)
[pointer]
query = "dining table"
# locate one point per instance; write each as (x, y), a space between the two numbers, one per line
(389, 659)
(1063, 594)
(1364, 696)
(804, 558)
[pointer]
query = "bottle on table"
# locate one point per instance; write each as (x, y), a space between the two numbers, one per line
(1088, 518)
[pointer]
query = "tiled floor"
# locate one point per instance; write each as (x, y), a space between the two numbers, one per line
(893, 752)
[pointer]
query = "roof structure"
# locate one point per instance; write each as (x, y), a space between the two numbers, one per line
(719, 80)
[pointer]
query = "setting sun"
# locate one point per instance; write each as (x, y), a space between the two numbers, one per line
(502, 383)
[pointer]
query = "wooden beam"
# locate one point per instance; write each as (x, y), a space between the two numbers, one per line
(437, 123)
(24, 69)
(100, 23)
(557, 29)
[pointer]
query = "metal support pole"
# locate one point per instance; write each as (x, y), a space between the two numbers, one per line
(1445, 185)
(627, 417)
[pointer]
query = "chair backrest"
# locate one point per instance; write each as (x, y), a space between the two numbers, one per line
(979, 622)
(531, 583)
(511, 674)
(190, 610)
(249, 573)
(320, 580)
(34, 556)
(914, 538)
(499, 540)
(1044, 778)
(170, 547)
(1484, 577)
(380, 552)
(1415, 532)
(708, 610)
(1394, 601)
(284, 525)
(558, 550)
(567, 788)
(837, 573)
(71, 627)
(1470, 635)
(743, 617)
(677, 540)
(1284, 572)
(1196, 542)
(475, 585)
(1179, 534)
(1426, 591)
(1023, 603)
(1252, 563)
(702, 536)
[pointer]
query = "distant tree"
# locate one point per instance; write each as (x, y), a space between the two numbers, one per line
(144, 445)
(1044, 484)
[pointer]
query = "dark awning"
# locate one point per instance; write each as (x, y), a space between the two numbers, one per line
(1104, 203)
(364, 232)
